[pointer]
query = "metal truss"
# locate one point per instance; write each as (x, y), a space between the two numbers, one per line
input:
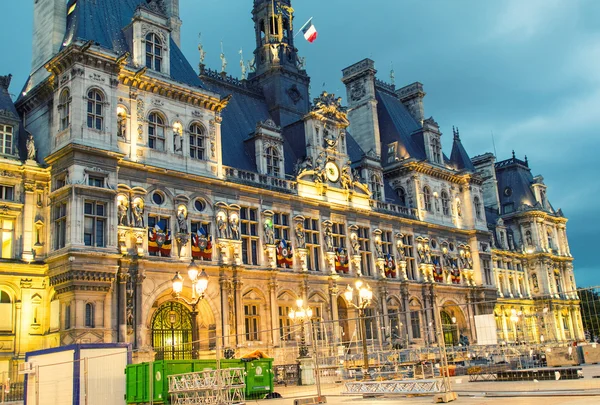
(209, 387)
(395, 387)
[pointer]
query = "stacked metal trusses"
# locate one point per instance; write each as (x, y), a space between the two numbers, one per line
(208, 387)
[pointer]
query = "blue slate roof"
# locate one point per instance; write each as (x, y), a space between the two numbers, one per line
(459, 157)
(396, 124)
(103, 22)
(515, 175)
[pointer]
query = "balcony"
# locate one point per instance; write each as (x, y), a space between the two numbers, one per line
(394, 209)
(260, 180)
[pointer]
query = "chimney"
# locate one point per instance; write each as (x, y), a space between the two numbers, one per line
(49, 26)
(360, 90)
(172, 9)
(412, 98)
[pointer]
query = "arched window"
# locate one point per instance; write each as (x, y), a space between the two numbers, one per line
(156, 131)
(427, 199)
(95, 109)
(477, 205)
(273, 161)
(172, 332)
(436, 150)
(401, 196)
(154, 52)
(89, 315)
(376, 187)
(6, 311)
(445, 203)
(64, 109)
(197, 136)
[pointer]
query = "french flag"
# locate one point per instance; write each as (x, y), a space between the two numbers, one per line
(309, 31)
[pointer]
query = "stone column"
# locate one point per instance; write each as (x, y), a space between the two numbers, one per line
(302, 255)
(380, 265)
(404, 294)
(239, 306)
(28, 221)
(227, 324)
(122, 278)
(504, 326)
(383, 292)
(497, 274)
(333, 295)
(139, 305)
(275, 336)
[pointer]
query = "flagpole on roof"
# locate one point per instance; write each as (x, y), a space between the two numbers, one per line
(301, 28)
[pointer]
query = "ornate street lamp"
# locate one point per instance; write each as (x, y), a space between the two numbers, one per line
(364, 297)
(199, 281)
(301, 315)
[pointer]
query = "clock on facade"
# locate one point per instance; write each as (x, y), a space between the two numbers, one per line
(332, 172)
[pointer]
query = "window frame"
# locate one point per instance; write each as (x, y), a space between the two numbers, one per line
(251, 322)
(155, 52)
(59, 219)
(363, 234)
(313, 243)
(99, 223)
(401, 193)
(427, 196)
(477, 205)
(7, 139)
(376, 186)
(445, 203)
(90, 312)
(95, 102)
(155, 128)
(249, 235)
(273, 161)
(197, 139)
(5, 190)
(64, 108)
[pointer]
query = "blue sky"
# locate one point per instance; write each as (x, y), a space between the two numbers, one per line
(526, 71)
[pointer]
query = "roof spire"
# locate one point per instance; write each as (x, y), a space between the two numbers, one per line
(513, 152)
(456, 133)
(526, 161)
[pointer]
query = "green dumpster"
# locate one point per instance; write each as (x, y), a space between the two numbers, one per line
(259, 378)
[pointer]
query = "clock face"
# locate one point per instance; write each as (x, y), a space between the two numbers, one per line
(332, 172)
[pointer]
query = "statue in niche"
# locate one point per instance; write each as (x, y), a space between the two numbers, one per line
(328, 238)
(177, 139)
(182, 219)
(269, 232)
(122, 126)
(378, 249)
(400, 249)
(123, 209)
(355, 243)
(234, 228)
(427, 254)
(221, 225)
(138, 213)
(30, 146)
(300, 236)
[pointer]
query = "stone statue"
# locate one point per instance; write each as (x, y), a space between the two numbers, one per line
(427, 254)
(242, 65)
(320, 168)
(328, 239)
(123, 209)
(30, 146)
(346, 179)
(378, 249)
(223, 63)
(221, 226)
(329, 138)
(234, 229)
(177, 140)
(355, 243)
(300, 236)
(138, 213)
(252, 65)
(269, 233)
(400, 248)
(122, 126)
(182, 219)
(303, 165)
(202, 53)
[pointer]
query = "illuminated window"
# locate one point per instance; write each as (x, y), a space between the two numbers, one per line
(89, 315)
(60, 225)
(249, 232)
(197, 136)
(154, 52)
(7, 229)
(6, 139)
(273, 162)
(285, 323)
(445, 203)
(94, 227)
(64, 108)
(427, 199)
(311, 230)
(6, 312)
(156, 131)
(252, 322)
(95, 110)
(7, 193)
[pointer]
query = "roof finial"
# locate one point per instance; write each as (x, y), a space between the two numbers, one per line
(223, 60)
(201, 49)
(393, 75)
(513, 152)
(526, 161)
(456, 133)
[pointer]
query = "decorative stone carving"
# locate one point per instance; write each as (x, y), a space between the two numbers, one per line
(182, 214)
(30, 147)
(137, 209)
(234, 229)
(222, 226)
(300, 235)
(269, 231)
(123, 210)
(328, 237)
(355, 243)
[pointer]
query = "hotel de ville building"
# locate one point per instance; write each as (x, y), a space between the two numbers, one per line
(121, 163)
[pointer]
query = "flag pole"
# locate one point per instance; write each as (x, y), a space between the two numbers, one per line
(301, 28)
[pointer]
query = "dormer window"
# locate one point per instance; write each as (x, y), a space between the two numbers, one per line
(273, 162)
(401, 196)
(436, 150)
(154, 52)
(95, 110)
(6, 139)
(376, 186)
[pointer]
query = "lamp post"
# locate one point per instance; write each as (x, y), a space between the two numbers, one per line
(301, 315)
(364, 297)
(199, 281)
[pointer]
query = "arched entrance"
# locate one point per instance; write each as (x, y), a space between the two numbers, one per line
(449, 329)
(343, 318)
(172, 332)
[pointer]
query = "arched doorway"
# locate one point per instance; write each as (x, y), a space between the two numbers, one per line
(172, 332)
(343, 318)
(449, 329)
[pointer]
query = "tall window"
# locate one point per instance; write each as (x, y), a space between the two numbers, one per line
(6, 312)
(387, 242)
(197, 135)
(365, 251)
(154, 52)
(156, 131)
(401, 196)
(427, 199)
(445, 203)
(273, 162)
(487, 272)
(249, 231)
(415, 324)
(89, 315)
(7, 229)
(6, 139)
(281, 225)
(311, 230)
(60, 225)
(436, 150)
(338, 231)
(94, 228)
(67, 316)
(376, 186)
(95, 110)
(7, 193)
(477, 204)
(285, 323)
(64, 108)
(409, 254)
(252, 322)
